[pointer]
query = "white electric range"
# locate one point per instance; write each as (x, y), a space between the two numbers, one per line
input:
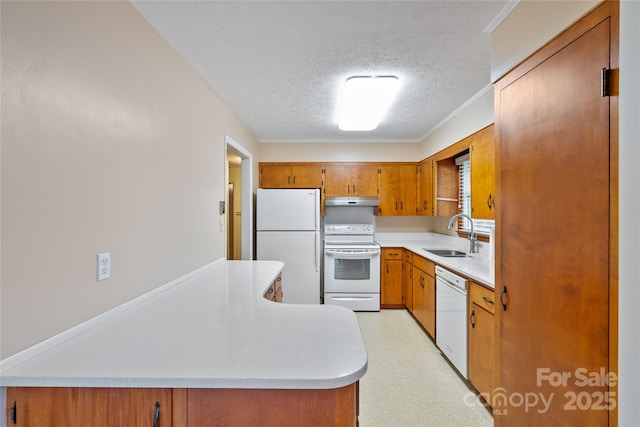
(351, 267)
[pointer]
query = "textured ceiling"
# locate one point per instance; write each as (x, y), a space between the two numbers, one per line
(279, 64)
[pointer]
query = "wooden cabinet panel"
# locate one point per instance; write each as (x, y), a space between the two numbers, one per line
(275, 176)
(337, 179)
(307, 176)
(425, 265)
(391, 278)
(364, 178)
(553, 130)
(389, 182)
(407, 189)
(429, 320)
(96, 407)
(481, 332)
(481, 350)
(424, 299)
(351, 179)
(407, 283)
(482, 161)
(281, 408)
(398, 189)
(425, 188)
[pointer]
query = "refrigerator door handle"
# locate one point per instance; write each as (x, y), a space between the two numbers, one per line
(317, 236)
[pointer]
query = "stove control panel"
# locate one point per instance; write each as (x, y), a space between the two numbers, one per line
(346, 229)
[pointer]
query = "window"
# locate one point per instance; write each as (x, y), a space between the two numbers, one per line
(482, 226)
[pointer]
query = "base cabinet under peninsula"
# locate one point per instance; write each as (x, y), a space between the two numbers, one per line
(143, 407)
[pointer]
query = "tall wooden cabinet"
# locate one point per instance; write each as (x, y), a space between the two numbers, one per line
(556, 276)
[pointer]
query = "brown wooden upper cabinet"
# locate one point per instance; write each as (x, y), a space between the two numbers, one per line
(482, 155)
(290, 175)
(425, 204)
(351, 179)
(398, 189)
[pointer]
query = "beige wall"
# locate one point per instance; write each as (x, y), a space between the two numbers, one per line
(530, 25)
(339, 152)
(110, 143)
(476, 114)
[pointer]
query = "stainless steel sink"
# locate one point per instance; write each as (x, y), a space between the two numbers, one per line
(447, 253)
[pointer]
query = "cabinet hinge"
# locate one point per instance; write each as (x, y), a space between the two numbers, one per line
(14, 413)
(606, 82)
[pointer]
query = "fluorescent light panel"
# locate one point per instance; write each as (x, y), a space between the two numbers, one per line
(365, 100)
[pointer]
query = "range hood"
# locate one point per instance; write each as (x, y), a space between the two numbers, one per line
(351, 201)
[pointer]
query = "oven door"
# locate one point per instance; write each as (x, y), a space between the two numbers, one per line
(352, 270)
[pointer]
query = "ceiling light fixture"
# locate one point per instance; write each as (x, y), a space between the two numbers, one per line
(365, 100)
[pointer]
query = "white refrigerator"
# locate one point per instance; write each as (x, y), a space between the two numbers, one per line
(288, 230)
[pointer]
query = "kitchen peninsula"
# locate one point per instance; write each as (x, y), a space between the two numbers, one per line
(213, 348)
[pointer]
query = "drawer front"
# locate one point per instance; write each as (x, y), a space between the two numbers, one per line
(482, 297)
(425, 265)
(392, 253)
(408, 256)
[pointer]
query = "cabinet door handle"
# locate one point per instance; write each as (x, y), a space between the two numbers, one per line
(354, 189)
(503, 294)
(401, 205)
(294, 179)
(472, 319)
(387, 268)
(156, 415)
(487, 301)
(14, 413)
(396, 206)
(489, 201)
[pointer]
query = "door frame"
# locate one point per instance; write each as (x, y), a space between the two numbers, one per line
(246, 197)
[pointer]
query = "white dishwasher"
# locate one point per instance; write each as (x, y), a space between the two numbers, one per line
(451, 318)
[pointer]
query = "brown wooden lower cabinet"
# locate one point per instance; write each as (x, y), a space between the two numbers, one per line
(391, 278)
(424, 293)
(95, 407)
(481, 339)
(237, 407)
(133, 407)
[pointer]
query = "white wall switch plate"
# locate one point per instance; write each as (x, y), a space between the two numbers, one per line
(104, 265)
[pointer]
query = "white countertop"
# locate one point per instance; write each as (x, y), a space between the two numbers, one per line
(477, 267)
(215, 330)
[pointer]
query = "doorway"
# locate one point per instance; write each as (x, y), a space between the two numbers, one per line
(239, 201)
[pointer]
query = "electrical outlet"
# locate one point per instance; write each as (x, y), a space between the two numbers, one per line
(104, 265)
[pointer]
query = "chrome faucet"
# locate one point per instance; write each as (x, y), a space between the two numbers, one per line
(472, 235)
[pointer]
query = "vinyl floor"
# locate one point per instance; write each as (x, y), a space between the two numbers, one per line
(408, 382)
